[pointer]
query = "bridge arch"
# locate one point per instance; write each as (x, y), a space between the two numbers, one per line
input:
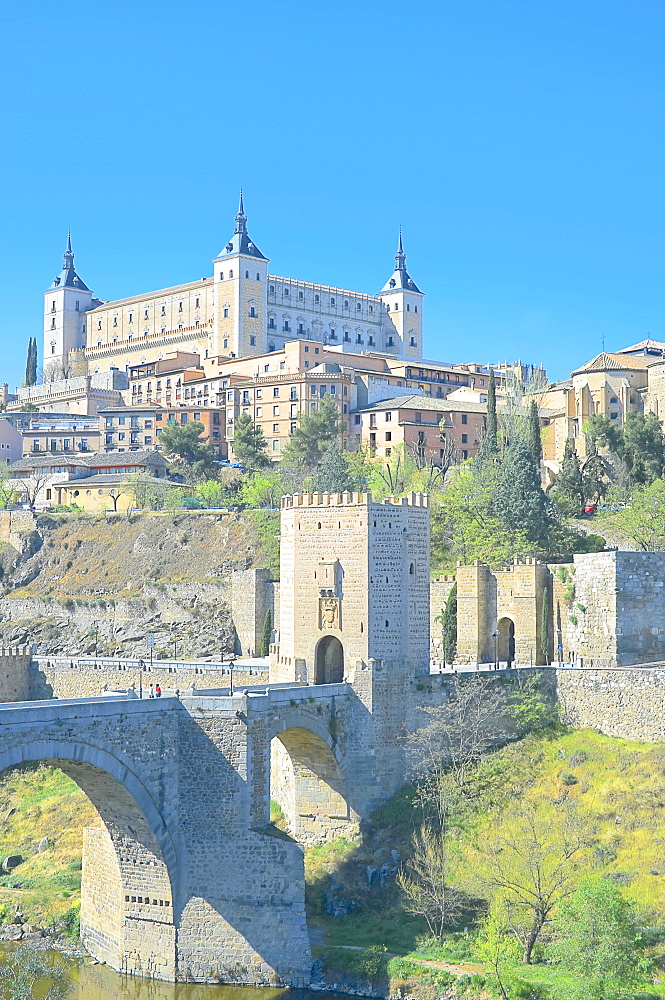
(307, 780)
(128, 915)
(505, 640)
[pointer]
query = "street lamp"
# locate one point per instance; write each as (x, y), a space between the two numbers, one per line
(232, 664)
(495, 636)
(175, 640)
(141, 669)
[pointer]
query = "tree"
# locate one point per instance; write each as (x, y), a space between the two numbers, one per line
(531, 856)
(263, 489)
(31, 362)
(249, 443)
(33, 485)
(534, 441)
(266, 635)
(148, 491)
(425, 883)
(26, 974)
(638, 444)
(519, 501)
(313, 434)
(448, 621)
(546, 614)
(183, 443)
(598, 940)
(495, 943)
(8, 487)
(643, 520)
(491, 425)
(458, 734)
(332, 475)
(569, 485)
(210, 491)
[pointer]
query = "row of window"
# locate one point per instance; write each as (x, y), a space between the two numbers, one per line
(286, 292)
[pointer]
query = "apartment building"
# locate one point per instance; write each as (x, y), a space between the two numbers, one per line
(138, 427)
(63, 435)
(434, 430)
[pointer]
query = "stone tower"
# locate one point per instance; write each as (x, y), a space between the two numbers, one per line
(404, 304)
(241, 299)
(354, 586)
(66, 302)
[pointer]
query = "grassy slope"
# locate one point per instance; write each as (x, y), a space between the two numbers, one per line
(619, 786)
(47, 804)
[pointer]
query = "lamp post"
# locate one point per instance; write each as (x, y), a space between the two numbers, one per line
(232, 664)
(141, 669)
(175, 640)
(495, 636)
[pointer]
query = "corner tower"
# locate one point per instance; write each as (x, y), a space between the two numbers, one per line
(354, 587)
(241, 298)
(66, 302)
(404, 307)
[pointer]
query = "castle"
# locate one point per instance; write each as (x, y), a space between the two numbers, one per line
(240, 311)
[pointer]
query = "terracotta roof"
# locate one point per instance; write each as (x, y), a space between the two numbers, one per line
(612, 362)
(644, 345)
(424, 403)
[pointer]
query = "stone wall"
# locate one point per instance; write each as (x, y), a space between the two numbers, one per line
(79, 677)
(618, 701)
(15, 674)
(439, 592)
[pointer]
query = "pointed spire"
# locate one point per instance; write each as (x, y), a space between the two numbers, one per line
(68, 255)
(400, 256)
(241, 218)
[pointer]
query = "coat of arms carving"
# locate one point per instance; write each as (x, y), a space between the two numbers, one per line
(329, 613)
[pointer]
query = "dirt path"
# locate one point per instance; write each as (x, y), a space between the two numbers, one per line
(465, 969)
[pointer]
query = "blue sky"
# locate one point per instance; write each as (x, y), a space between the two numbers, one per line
(519, 143)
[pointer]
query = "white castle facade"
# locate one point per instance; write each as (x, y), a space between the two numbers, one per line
(240, 311)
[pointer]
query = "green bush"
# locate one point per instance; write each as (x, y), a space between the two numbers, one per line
(568, 779)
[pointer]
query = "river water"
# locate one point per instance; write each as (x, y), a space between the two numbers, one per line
(99, 982)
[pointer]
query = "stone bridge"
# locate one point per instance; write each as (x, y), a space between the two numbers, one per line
(186, 879)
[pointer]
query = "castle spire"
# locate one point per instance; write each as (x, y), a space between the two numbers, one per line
(68, 255)
(400, 256)
(241, 218)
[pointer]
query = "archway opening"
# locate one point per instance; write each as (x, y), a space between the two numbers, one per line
(506, 641)
(127, 912)
(329, 661)
(307, 783)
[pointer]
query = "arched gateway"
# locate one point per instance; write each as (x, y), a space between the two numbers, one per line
(329, 661)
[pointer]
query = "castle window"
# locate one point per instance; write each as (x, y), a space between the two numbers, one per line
(53, 306)
(316, 298)
(115, 320)
(53, 323)
(272, 289)
(359, 339)
(286, 291)
(346, 303)
(230, 274)
(99, 324)
(77, 307)
(180, 307)
(408, 307)
(300, 295)
(358, 307)
(271, 324)
(226, 312)
(163, 330)
(197, 304)
(252, 311)
(387, 625)
(412, 342)
(371, 309)
(332, 302)
(221, 276)
(258, 276)
(415, 308)
(301, 328)
(226, 342)
(145, 313)
(389, 342)
(131, 317)
(53, 348)
(252, 341)
(287, 328)
(396, 307)
(247, 274)
(163, 310)
(333, 335)
(370, 340)
(319, 525)
(347, 338)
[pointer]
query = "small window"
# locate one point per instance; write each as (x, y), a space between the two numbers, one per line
(465, 438)
(247, 274)
(464, 418)
(332, 302)
(300, 295)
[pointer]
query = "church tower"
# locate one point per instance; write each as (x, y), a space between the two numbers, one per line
(65, 305)
(241, 297)
(404, 307)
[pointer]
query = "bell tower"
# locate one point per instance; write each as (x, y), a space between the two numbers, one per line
(404, 308)
(66, 302)
(241, 296)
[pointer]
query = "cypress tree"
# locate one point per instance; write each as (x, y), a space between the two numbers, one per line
(266, 635)
(31, 362)
(545, 626)
(449, 627)
(534, 441)
(491, 427)
(570, 481)
(519, 501)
